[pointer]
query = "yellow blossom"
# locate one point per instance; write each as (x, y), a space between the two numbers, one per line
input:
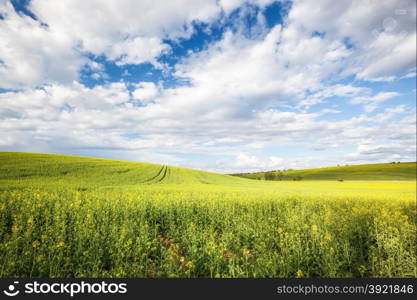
(299, 274)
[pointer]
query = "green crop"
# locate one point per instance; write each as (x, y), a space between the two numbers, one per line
(64, 216)
(372, 172)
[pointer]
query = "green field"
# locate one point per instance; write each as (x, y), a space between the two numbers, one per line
(63, 216)
(388, 171)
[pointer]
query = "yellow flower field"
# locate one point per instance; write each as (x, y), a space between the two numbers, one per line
(73, 217)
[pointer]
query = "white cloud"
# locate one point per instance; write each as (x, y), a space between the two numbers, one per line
(137, 50)
(389, 113)
(113, 22)
(145, 92)
(127, 32)
(245, 92)
(388, 55)
(59, 118)
(33, 54)
(115, 30)
(383, 152)
(330, 111)
(230, 5)
(411, 74)
(241, 74)
(384, 42)
(249, 163)
(372, 102)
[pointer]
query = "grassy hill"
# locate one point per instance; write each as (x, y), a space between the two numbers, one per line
(67, 216)
(58, 169)
(388, 171)
(74, 170)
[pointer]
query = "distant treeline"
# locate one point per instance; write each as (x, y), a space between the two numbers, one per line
(386, 171)
(276, 175)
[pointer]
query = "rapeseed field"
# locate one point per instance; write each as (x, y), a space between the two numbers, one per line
(63, 216)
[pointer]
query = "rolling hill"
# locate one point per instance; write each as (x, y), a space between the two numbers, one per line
(76, 170)
(388, 171)
(52, 169)
(67, 216)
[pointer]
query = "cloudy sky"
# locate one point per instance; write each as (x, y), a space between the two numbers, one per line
(225, 86)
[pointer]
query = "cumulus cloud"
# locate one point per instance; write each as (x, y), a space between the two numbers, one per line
(249, 163)
(388, 55)
(137, 50)
(145, 92)
(243, 74)
(52, 48)
(59, 118)
(32, 53)
(384, 41)
(124, 28)
(271, 88)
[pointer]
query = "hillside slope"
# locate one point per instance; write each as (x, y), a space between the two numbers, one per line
(99, 172)
(70, 217)
(388, 171)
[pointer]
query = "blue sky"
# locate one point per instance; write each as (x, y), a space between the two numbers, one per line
(225, 86)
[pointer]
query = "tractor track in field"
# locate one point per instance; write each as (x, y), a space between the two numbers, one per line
(156, 176)
(162, 174)
(166, 171)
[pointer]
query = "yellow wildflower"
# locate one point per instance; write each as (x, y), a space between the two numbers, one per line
(299, 274)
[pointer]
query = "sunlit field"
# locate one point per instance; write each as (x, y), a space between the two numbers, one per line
(372, 172)
(64, 216)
